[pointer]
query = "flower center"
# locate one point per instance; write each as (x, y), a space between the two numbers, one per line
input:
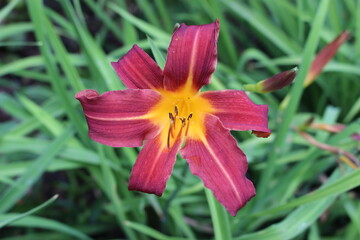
(177, 123)
(180, 114)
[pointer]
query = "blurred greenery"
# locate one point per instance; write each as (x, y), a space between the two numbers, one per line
(52, 49)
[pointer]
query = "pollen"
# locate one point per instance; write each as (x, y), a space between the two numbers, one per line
(180, 114)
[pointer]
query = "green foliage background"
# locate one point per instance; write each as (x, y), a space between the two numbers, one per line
(55, 183)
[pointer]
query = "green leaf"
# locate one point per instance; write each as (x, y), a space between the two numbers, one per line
(142, 25)
(44, 223)
(159, 57)
(150, 231)
(34, 172)
(337, 187)
(32, 211)
(5, 11)
(219, 217)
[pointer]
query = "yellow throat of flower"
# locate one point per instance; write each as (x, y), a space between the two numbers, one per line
(180, 114)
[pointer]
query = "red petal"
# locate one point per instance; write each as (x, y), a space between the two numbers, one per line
(153, 166)
(192, 56)
(237, 112)
(221, 165)
(118, 118)
(138, 70)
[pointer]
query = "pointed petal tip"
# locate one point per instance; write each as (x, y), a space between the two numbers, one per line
(344, 36)
(261, 134)
(233, 212)
(234, 209)
(176, 27)
(217, 23)
(324, 56)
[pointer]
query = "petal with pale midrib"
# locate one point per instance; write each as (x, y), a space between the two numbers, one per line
(137, 69)
(119, 118)
(153, 166)
(220, 164)
(192, 56)
(236, 111)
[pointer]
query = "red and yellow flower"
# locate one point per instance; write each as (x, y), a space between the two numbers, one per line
(167, 109)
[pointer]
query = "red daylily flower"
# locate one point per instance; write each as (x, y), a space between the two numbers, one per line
(166, 109)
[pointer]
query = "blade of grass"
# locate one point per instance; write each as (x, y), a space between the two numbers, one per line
(35, 61)
(297, 221)
(105, 18)
(79, 11)
(142, 25)
(355, 109)
(44, 223)
(34, 172)
(164, 13)
(150, 231)
(294, 224)
(341, 185)
(130, 33)
(64, 26)
(264, 26)
(97, 59)
(219, 217)
(178, 216)
(32, 211)
(159, 57)
(149, 12)
(42, 116)
(352, 211)
(5, 11)
(12, 107)
(37, 15)
(225, 36)
(63, 59)
(357, 29)
(18, 168)
(12, 144)
(110, 185)
(12, 29)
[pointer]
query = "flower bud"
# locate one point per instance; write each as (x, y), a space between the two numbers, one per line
(274, 83)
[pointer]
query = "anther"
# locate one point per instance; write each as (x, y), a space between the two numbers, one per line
(190, 116)
(176, 110)
(183, 121)
(171, 116)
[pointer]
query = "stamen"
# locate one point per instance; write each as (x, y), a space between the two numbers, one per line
(176, 110)
(190, 116)
(188, 124)
(170, 133)
(183, 121)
